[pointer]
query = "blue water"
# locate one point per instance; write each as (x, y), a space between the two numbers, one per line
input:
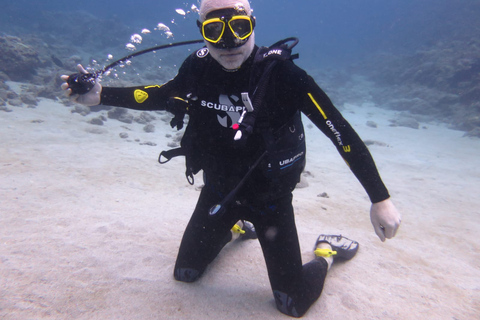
(337, 32)
(431, 46)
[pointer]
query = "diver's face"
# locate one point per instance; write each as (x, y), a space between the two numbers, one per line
(232, 59)
(229, 36)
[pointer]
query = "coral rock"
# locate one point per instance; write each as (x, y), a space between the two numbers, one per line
(17, 60)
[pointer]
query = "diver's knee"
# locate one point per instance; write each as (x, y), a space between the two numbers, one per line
(285, 304)
(186, 274)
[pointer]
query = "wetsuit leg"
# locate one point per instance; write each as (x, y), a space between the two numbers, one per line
(203, 239)
(295, 287)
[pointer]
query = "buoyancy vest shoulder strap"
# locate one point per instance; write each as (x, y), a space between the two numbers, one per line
(265, 60)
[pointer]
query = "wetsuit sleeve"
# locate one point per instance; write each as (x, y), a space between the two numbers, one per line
(151, 97)
(320, 110)
(145, 98)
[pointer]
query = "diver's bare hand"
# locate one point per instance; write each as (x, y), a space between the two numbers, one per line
(91, 98)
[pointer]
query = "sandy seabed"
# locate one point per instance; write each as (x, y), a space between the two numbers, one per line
(90, 225)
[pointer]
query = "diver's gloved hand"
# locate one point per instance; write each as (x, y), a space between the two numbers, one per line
(178, 107)
(385, 219)
(86, 92)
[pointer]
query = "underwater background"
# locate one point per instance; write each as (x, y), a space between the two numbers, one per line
(90, 222)
(418, 56)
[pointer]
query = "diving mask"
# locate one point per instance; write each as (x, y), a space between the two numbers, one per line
(226, 28)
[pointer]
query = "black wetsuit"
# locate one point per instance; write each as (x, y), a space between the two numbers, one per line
(266, 198)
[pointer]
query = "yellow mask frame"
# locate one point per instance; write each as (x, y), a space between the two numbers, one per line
(213, 29)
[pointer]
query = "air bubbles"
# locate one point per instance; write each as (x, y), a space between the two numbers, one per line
(146, 36)
(162, 27)
(136, 38)
(166, 30)
(130, 47)
(181, 12)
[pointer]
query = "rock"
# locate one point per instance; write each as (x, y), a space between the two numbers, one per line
(3, 77)
(470, 123)
(81, 109)
(96, 130)
(148, 143)
(166, 118)
(3, 94)
(66, 102)
(405, 121)
(473, 133)
(5, 108)
(29, 99)
(371, 124)
(144, 118)
(303, 183)
(96, 121)
(375, 143)
(72, 62)
(149, 128)
(323, 195)
(307, 173)
(18, 60)
(178, 137)
(120, 114)
(11, 94)
(413, 105)
(439, 80)
(15, 102)
(123, 135)
(48, 91)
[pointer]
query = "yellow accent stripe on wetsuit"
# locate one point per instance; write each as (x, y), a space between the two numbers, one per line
(178, 98)
(318, 106)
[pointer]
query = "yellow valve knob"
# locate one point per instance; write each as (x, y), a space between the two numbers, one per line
(236, 229)
(324, 253)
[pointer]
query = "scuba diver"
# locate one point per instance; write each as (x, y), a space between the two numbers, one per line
(244, 106)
